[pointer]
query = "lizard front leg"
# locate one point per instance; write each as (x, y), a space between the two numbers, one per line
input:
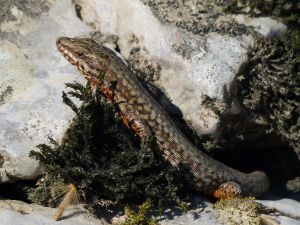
(227, 189)
(133, 122)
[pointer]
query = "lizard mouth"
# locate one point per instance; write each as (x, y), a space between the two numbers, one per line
(64, 50)
(64, 45)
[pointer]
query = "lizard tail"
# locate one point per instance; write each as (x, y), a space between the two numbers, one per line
(254, 184)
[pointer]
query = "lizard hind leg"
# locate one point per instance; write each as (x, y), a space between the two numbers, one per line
(228, 189)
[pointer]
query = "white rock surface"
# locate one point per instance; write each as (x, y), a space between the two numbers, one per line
(285, 205)
(266, 26)
(19, 213)
(33, 74)
(202, 214)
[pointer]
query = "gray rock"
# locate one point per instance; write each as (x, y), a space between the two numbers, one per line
(266, 26)
(32, 78)
(289, 206)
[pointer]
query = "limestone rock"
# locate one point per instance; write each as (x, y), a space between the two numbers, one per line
(289, 205)
(32, 78)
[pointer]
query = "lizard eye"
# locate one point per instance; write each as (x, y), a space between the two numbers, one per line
(80, 53)
(80, 66)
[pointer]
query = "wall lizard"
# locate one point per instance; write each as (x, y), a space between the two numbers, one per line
(142, 114)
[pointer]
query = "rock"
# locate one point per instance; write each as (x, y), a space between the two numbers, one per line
(19, 213)
(16, 212)
(264, 25)
(188, 52)
(32, 79)
(289, 206)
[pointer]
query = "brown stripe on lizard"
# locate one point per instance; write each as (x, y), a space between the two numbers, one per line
(144, 116)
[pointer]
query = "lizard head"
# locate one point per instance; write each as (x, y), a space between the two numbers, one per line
(90, 58)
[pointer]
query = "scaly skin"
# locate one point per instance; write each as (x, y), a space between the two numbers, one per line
(143, 115)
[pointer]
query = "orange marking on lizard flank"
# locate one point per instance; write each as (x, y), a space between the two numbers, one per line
(125, 119)
(132, 126)
(108, 93)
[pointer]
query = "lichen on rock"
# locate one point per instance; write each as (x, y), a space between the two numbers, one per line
(293, 185)
(6, 93)
(271, 89)
(197, 17)
(238, 211)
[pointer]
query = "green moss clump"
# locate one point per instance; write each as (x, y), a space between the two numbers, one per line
(103, 159)
(271, 89)
(139, 217)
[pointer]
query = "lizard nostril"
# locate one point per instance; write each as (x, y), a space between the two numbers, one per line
(58, 42)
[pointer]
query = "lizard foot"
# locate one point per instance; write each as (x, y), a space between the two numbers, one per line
(228, 189)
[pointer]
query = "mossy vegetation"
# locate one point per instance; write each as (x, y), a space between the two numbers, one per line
(107, 164)
(139, 217)
(271, 89)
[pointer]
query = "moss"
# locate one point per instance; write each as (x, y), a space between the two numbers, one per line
(139, 217)
(271, 89)
(100, 156)
(238, 211)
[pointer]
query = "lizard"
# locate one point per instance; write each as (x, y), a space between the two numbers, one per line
(143, 115)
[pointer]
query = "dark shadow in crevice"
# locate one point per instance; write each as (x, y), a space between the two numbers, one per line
(16, 190)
